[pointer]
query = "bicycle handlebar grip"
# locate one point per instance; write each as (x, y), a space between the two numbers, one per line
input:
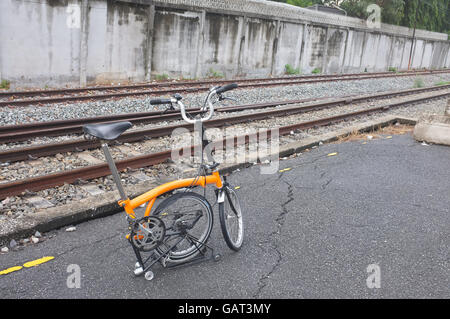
(227, 87)
(160, 101)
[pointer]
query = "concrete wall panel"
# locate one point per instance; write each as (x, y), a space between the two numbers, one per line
(58, 42)
(258, 48)
(175, 42)
(369, 56)
(334, 57)
(117, 46)
(289, 47)
(221, 46)
(37, 46)
(383, 52)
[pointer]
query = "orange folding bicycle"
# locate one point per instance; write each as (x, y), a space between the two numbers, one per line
(176, 231)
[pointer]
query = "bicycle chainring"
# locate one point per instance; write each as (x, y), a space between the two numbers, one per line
(147, 233)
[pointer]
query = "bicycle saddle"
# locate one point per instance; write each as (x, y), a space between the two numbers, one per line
(108, 131)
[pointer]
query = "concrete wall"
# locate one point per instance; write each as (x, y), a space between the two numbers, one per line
(73, 42)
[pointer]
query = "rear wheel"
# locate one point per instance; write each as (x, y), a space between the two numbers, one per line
(231, 222)
(188, 219)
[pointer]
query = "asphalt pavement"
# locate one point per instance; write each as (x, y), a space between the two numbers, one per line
(352, 220)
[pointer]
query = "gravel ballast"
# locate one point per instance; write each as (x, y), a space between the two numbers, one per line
(20, 206)
(20, 115)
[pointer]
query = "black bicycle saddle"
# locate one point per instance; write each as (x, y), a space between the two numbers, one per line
(107, 131)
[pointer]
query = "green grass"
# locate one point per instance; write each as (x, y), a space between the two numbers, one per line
(392, 69)
(214, 74)
(316, 71)
(161, 77)
(289, 69)
(4, 84)
(442, 83)
(418, 83)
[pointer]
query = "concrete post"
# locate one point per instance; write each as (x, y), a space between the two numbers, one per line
(150, 27)
(200, 41)
(345, 51)
(423, 53)
(325, 50)
(447, 110)
(243, 27)
(391, 51)
(376, 52)
(275, 46)
(302, 48)
(362, 50)
(84, 16)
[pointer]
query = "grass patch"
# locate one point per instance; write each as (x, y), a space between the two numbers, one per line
(161, 77)
(4, 84)
(418, 83)
(289, 69)
(316, 71)
(392, 69)
(214, 74)
(442, 83)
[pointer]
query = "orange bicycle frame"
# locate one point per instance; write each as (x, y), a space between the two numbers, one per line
(131, 204)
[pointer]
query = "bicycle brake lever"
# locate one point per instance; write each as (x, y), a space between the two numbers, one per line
(170, 108)
(221, 98)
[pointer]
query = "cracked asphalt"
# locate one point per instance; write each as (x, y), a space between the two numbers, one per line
(310, 232)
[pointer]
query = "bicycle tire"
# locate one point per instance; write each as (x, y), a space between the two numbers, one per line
(163, 211)
(232, 212)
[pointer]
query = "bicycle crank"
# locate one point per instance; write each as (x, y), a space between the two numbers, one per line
(147, 233)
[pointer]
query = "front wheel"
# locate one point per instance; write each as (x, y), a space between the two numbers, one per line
(231, 222)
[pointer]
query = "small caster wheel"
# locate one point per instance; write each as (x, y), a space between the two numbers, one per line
(149, 275)
(137, 265)
(217, 257)
(138, 271)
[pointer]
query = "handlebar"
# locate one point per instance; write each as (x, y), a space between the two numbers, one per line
(176, 99)
(225, 88)
(160, 101)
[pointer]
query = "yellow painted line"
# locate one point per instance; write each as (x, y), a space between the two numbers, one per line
(364, 142)
(10, 270)
(237, 187)
(388, 136)
(285, 169)
(38, 261)
(332, 154)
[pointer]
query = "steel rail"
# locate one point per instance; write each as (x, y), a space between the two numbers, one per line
(186, 83)
(33, 152)
(101, 170)
(78, 98)
(21, 132)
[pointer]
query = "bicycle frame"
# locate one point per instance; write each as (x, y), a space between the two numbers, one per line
(130, 204)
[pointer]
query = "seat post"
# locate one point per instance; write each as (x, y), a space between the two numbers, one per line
(114, 172)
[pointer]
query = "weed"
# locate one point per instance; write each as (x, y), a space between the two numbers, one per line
(289, 69)
(392, 69)
(214, 74)
(4, 84)
(418, 83)
(161, 77)
(316, 71)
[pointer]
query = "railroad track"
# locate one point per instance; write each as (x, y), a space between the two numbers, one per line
(101, 170)
(23, 132)
(113, 92)
(78, 145)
